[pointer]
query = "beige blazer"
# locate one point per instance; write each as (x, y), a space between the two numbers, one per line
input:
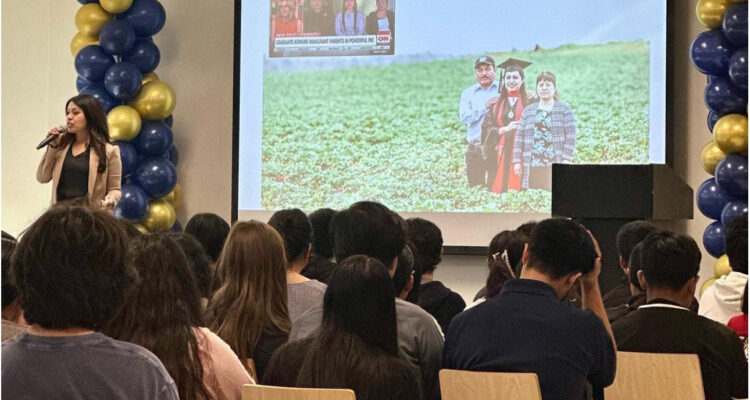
(105, 185)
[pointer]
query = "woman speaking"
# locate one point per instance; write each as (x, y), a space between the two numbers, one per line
(69, 162)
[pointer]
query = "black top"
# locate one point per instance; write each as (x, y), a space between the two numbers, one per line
(618, 295)
(74, 178)
(268, 343)
(526, 328)
(659, 327)
(319, 268)
(320, 22)
(442, 303)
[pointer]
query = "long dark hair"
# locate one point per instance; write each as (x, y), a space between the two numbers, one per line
(522, 89)
(96, 123)
(162, 310)
(506, 249)
(343, 12)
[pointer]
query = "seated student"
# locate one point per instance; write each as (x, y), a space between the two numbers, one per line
(441, 302)
(321, 265)
(628, 236)
(723, 299)
(356, 346)
(318, 19)
(372, 229)
(739, 323)
(638, 295)
(163, 314)
(71, 272)
(211, 231)
(526, 328)
(13, 321)
(197, 260)
(302, 293)
(511, 243)
(416, 274)
(665, 325)
(403, 278)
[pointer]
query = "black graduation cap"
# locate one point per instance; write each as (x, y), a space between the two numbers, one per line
(511, 63)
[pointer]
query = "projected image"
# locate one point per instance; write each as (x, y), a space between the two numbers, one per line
(331, 27)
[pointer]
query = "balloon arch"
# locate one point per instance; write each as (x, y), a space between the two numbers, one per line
(115, 58)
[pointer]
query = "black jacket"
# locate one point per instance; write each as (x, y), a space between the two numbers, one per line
(442, 303)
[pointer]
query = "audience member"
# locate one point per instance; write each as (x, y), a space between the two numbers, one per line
(163, 314)
(71, 273)
(441, 302)
(13, 321)
(249, 310)
(403, 277)
(356, 346)
(665, 324)
(526, 228)
(526, 328)
(373, 230)
(413, 295)
(628, 236)
(321, 265)
(197, 260)
(211, 231)
(638, 295)
(318, 19)
(739, 323)
(505, 252)
(723, 299)
(303, 293)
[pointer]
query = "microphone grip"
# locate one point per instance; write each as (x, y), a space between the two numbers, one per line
(51, 138)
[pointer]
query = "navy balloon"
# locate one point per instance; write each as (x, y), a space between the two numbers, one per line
(97, 90)
(711, 120)
(88, 1)
(156, 175)
(169, 120)
(734, 24)
(732, 210)
(711, 199)
(145, 16)
(738, 68)
(128, 156)
(144, 55)
(722, 97)
(154, 139)
(92, 63)
(173, 155)
(177, 227)
(731, 175)
(117, 37)
(133, 203)
(123, 80)
(710, 52)
(713, 239)
(81, 83)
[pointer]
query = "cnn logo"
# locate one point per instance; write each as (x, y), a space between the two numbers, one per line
(384, 37)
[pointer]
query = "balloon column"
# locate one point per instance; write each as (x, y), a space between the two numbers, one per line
(721, 54)
(115, 58)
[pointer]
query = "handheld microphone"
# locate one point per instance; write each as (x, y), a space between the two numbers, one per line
(49, 139)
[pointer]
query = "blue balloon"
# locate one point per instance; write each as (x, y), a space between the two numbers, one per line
(92, 63)
(713, 239)
(732, 210)
(710, 53)
(731, 175)
(147, 17)
(173, 155)
(81, 83)
(97, 90)
(734, 24)
(117, 37)
(711, 120)
(711, 199)
(738, 68)
(169, 120)
(156, 175)
(133, 203)
(123, 80)
(88, 1)
(128, 156)
(177, 227)
(154, 139)
(144, 55)
(724, 98)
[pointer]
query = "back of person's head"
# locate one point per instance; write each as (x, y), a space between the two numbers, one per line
(70, 269)
(413, 296)
(130, 230)
(501, 271)
(635, 264)
(404, 270)
(252, 296)
(211, 231)
(511, 241)
(630, 234)
(294, 227)
(197, 259)
(526, 228)
(321, 223)
(9, 289)
(669, 260)
(559, 246)
(736, 244)
(161, 310)
(368, 228)
(428, 239)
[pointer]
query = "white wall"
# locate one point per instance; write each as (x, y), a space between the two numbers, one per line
(196, 46)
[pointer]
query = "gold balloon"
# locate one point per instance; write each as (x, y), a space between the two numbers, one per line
(116, 6)
(124, 123)
(175, 197)
(730, 133)
(722, 267)
(80, 41)
(705, 286)
(159, 217)
(155, 100)
(141, 228)
(710, 156)
(711, 12)
(91, 18)
(151, 76)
